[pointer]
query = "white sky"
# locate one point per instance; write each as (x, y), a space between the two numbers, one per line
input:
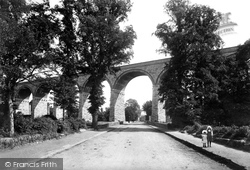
(147, 14)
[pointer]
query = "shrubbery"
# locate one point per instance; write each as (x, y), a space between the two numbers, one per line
(22, 124)
(63, 126)
(194, 129)
(242, 132)
(74, 124)
(70, 125)
(24, 139)
(41, 125)
(234, 136)
(82, 123)
(44, 125)
(39, 129)
(3, 132)
(47, 124)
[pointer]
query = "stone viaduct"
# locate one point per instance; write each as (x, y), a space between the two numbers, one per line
(118, 82)
(33, 101)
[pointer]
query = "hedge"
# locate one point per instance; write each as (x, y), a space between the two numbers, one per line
(25, 139)
(233, 136)
(46, 124)
(39, 129)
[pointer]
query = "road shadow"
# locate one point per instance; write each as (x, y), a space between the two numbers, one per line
(134, 127)
(130, 127)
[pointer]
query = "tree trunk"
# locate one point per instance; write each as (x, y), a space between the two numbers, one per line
(95, 121)
(11, 117)
(63, 114)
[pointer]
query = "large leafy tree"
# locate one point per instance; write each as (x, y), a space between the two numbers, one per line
(91, 42)
(88, 38)
(103, 44)
(242, 71)
(190, 80)
(24, 37)
(132, 110)
(147, 107)
(234, 81)
(64, 58)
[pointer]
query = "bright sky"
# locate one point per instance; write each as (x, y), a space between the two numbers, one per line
(147, 14)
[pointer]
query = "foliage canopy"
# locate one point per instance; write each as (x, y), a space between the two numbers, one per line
(197, 75)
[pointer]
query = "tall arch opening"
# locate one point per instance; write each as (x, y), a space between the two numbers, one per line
(117, 106)
(84, 101)
(139, 89)
(40, 102)
(106, 94)
(24, 101)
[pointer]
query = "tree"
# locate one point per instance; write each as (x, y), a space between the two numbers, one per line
(234, 81)
(91, 42)
(132, 110)
(103, 43)
(67, 54)
(147, 107)
(22, 48)
(65, 95)
(190, 80)
(104, 115)
(130, 114)
(242, 71)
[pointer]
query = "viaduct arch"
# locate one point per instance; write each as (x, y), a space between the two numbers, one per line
(34, 101)
(118, 83)
(40, 104)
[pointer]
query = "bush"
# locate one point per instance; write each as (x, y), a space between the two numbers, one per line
(22, 124)
(201, 128)
(63, 126)
(230, 132)
(74, 124)
(24, 139)
(50, 116)
(187, 128)
(3, 132)
(50, 136)
(241, 133)
(193, 129)
(82, 123)
(6, 143)
(219, 131)
(44, 125)
(70, 125)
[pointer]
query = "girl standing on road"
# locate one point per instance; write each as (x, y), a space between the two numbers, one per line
(209, 136)
(204, 138)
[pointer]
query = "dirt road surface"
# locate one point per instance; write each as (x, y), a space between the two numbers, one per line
(135, 147)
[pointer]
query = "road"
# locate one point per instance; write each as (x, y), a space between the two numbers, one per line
(135, 147)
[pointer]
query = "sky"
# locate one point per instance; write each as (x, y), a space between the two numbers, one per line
(147, 14)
